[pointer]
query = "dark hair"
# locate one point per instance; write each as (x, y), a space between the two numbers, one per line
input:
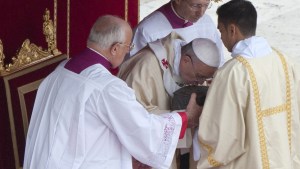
(241, 13)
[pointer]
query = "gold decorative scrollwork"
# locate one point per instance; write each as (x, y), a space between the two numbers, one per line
(50, 33)
(30, 53)
(27, 54)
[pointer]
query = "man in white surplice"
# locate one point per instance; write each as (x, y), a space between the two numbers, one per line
(250, 119)
(86, 118)
(185, 17)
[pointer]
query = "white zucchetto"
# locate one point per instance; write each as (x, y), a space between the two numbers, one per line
(207, 51)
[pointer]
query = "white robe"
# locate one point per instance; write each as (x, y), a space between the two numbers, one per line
(157, 26)
(250, 119)
(92, 120)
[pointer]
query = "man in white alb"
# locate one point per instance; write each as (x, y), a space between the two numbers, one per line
(185, 17)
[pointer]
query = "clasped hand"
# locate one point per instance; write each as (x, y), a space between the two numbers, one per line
(193, 111)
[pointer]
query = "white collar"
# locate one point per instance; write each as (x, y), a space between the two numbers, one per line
(251, 48)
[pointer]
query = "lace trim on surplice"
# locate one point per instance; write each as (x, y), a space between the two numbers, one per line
(164, 149)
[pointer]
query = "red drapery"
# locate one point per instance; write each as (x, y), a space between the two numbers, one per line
(22, 20)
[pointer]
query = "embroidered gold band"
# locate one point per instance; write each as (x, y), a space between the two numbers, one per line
(270, 111)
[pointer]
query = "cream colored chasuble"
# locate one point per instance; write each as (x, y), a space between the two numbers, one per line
(250, 119)
(166, 57)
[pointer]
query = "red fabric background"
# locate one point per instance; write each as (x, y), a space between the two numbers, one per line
(62, 17)
(84, 14)
(22, 20)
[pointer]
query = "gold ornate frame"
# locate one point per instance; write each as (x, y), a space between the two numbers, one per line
(126, 10)
(29, 53)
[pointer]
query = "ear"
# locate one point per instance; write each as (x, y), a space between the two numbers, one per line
(114, 49)
(234, 30)
(186, 58)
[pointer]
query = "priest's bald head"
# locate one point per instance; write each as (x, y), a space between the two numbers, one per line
(111, 36)
(199, 60)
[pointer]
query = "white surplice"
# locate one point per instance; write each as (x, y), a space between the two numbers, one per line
(156, 26)
(92, 120)
(250, 119)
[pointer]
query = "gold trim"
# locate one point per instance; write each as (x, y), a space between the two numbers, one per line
(6, 79)
(126, 10)
(274, 110)
(211, 160)
(2, 56)
(49, 30)
(12, 124)
(30, 53)
(27, 55)
(68, 28)
(260, 114)
(139, 16)
(22, 90)
(288, 97)
(55, 22)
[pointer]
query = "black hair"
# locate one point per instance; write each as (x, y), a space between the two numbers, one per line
(241, 13)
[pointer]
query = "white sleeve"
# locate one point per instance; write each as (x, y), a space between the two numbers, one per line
(151, 139)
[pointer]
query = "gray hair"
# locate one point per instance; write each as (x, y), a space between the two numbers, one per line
(106, 31)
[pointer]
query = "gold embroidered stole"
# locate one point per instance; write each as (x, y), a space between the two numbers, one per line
(260, 113)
